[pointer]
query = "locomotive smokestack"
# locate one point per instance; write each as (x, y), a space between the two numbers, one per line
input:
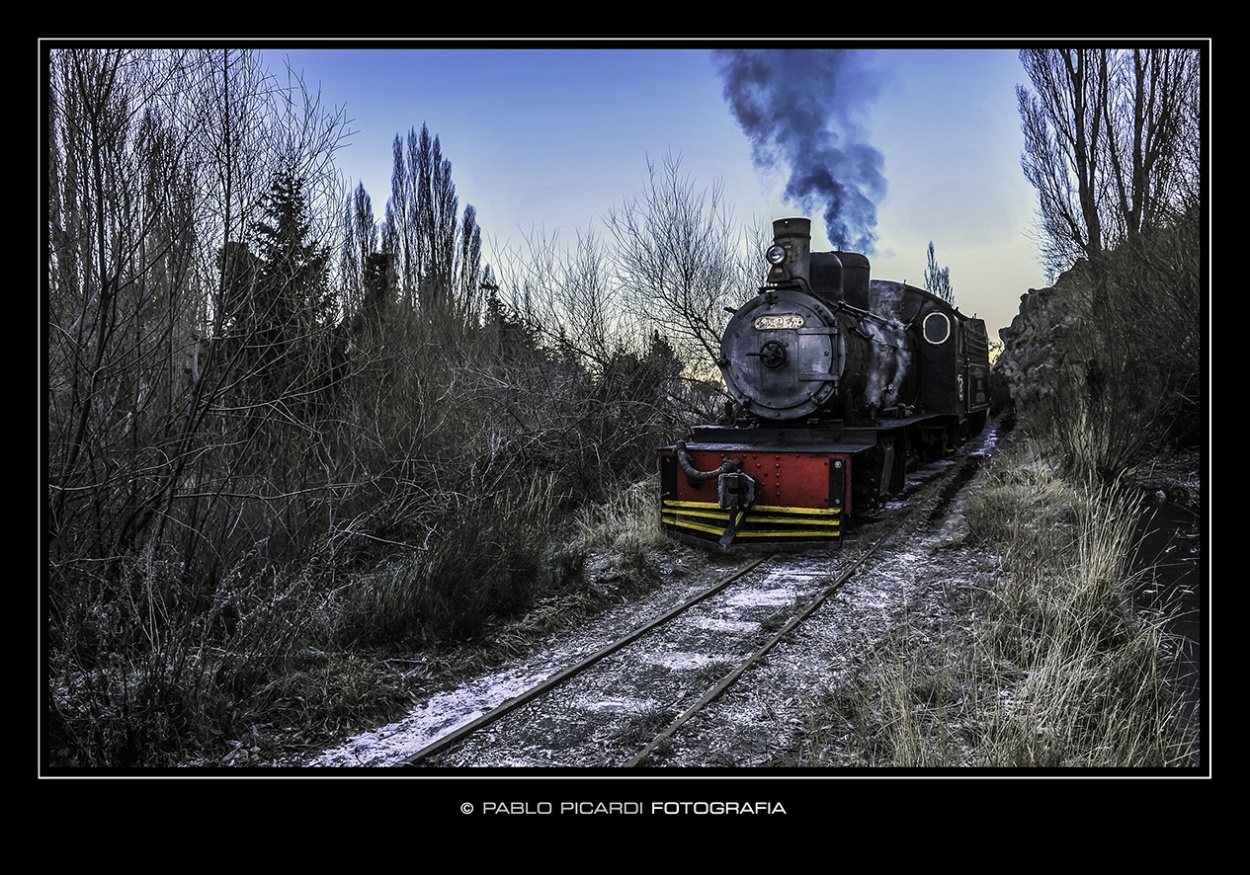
(791, 254)
(791, 259)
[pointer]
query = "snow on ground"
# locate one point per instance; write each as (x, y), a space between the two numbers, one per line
(444, 712)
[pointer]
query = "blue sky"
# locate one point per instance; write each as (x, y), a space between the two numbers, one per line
(548, 140)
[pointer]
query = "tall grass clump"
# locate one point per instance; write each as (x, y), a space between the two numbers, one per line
(626, 525)
(1043, 664)
(488, 561)
(1085, 675)
(605, 550)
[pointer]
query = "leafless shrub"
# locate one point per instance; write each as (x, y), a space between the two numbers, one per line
(681, 259)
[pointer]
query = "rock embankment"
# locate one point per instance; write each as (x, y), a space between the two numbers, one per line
(1039, 340)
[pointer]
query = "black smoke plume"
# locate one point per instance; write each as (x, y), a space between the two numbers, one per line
(797, 107)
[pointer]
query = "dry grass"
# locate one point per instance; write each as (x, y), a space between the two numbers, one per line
(626, 525)
(489, 561)
(1047, 667)
(148, 671)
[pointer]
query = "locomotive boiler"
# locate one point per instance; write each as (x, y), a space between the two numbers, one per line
(837, 385)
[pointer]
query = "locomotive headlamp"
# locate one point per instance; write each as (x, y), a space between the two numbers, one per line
(775, 254)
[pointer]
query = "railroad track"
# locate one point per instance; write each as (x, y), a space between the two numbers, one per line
(622, 725)
(573, 671)
(823, 595)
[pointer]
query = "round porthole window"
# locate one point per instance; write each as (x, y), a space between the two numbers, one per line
(937, 328)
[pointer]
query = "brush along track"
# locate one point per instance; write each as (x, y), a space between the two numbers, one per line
(645, 686)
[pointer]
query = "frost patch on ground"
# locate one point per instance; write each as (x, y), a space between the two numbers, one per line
(953, 532)
(681, 661)
(433, 719)
(621, 705)
(767, 598)
(723, 624)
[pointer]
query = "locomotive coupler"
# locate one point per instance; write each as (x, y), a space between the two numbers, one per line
(736, 493)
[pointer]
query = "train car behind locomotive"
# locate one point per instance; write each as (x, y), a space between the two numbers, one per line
(838, 385)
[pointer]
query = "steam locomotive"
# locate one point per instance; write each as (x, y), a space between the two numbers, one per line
(838, 385)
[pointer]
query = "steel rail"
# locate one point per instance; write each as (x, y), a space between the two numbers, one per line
(733, 676)
(509, 705)
(913, 516)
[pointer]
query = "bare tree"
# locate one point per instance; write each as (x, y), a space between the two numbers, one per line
(158, 163)
(436, 257)
(680, 261)
(1110, 140)
(1153, 137)
(569, 295)
(938, 279)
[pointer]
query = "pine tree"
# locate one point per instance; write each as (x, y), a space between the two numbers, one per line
(288, 308)
(938, 279)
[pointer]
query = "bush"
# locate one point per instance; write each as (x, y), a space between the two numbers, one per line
(1127, 365)
(146, 666)
(487, 563)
